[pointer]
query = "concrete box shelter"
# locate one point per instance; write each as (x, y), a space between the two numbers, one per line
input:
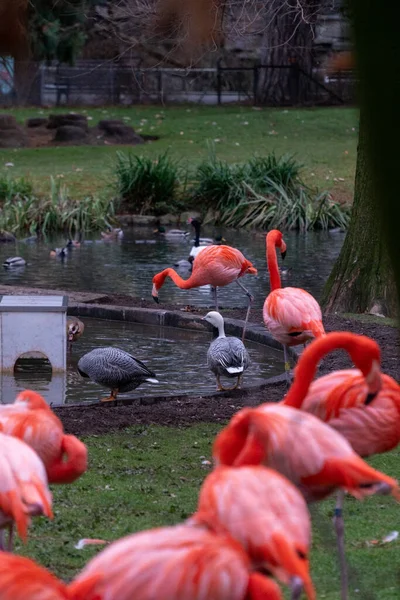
(33, 327)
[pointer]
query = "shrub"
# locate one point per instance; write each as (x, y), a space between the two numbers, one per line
(56, 211)
(263, 172)
(265, 192)
(219, 185)
(11, 188)
(145, 185)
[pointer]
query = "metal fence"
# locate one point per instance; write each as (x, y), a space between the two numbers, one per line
(97, 83)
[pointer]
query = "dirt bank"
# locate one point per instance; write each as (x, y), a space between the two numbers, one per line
(195, 409)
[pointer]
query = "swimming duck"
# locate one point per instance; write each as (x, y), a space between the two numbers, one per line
(114, 369)
(59, 252)
(113, 234)
(74, 243)
(15, 261)
(226, 355)
(171, 233)
(75, 328)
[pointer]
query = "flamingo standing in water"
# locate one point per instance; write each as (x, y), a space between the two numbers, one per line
(31, 419)
(216, 266)
(174, 563)
(362, 404)
(266, 514)
(23, 488)
(315, 457)
(291, 315)
(22, 578)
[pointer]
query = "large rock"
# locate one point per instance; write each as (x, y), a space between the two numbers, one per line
(68, 119)
(117, 132)
(70, 133)
(6, 237)
(36, 122)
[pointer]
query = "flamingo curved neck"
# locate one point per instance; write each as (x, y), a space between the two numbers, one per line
(307, 366)
(272, 262)
(184, 284)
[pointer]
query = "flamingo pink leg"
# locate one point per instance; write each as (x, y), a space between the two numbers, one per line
(339, 528)
(296, 588)
(287, 364)
(251, 300)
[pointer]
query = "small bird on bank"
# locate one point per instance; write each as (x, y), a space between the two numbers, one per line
(226, 355)
(75, 328)
(114, 369)
(13, 262)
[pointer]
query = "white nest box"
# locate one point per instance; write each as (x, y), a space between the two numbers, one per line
(33, 327)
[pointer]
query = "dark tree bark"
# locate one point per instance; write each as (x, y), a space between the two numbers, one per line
(288, 40)
(362, 278)
(378, 59)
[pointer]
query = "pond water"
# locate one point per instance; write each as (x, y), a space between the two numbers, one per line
(177, 356)
(127, 267)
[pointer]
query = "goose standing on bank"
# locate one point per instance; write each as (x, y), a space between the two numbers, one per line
(226, 355)
(114, 369)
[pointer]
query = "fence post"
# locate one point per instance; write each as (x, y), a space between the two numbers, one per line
(160, 90)
(256, 77)
(294, 81)
(219, 81)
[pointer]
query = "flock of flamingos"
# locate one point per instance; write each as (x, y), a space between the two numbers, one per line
(251, 529)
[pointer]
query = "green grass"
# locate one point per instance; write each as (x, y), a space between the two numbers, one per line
(148, 476)
(323, 139)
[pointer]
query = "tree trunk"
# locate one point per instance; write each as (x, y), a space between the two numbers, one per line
(378, 58)
(288, 40)
(362, 278)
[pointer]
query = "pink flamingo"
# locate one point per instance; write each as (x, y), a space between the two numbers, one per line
(315, 457)
(291, 315)
(216, 266)
(362, 404)
(174, 563)
(266, 514)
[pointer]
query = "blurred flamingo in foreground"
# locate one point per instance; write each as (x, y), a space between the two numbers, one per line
(362, 404)
(174, 563)
(266, 514)
(23, 579)
(31, 419)
(315, 457)
(291, 315)
(23, 488)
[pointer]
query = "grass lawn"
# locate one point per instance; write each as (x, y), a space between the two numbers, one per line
(323, 139)
(148, 476)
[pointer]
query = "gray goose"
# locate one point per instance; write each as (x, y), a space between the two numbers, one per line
(226, 355)
(114, 369)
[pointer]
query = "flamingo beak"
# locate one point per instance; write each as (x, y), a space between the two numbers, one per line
(154, 293)
(283, 254)
(374, 381)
